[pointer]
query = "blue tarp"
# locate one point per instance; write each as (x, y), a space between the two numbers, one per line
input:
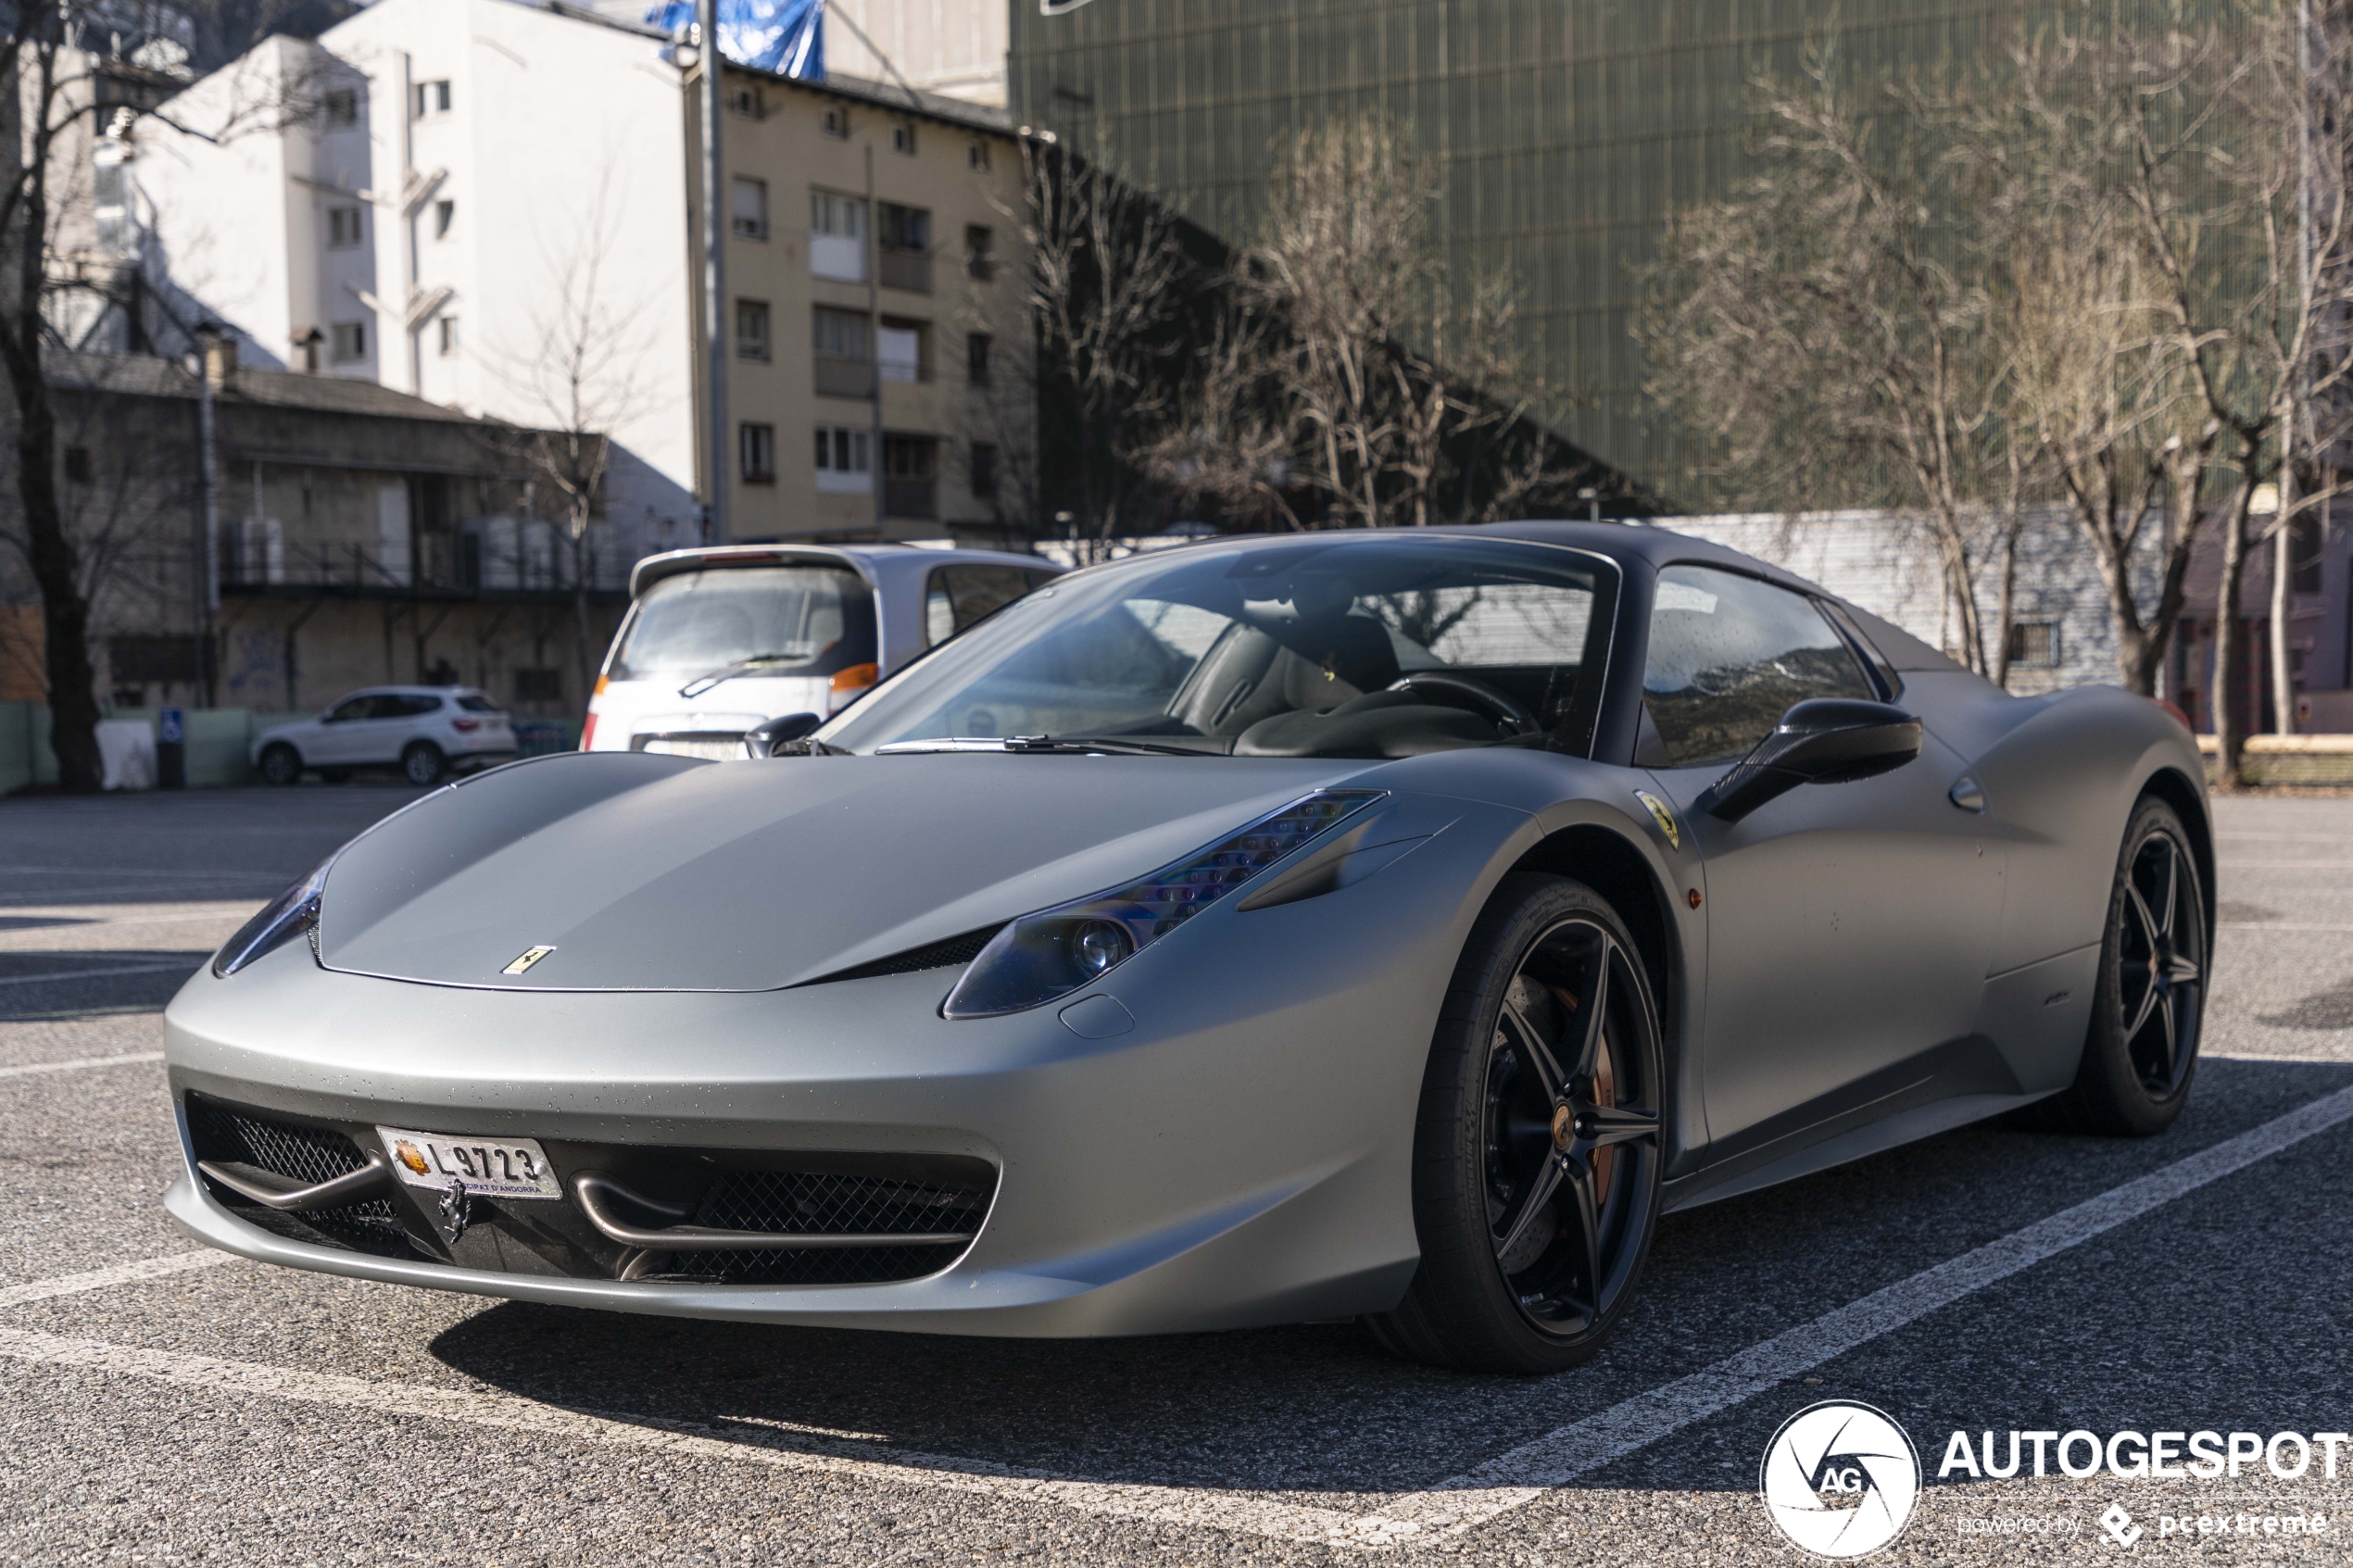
(785, 36)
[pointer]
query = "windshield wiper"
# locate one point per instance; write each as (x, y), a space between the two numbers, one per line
(1116, 745)
(726, 672)
(1043, 744)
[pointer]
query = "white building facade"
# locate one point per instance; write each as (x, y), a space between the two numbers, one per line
(474, 202)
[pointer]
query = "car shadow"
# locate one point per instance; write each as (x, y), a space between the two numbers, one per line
(62, 983)
(1320, 1408)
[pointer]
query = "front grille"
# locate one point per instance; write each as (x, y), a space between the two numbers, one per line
(833, 1203)
(305, 1154)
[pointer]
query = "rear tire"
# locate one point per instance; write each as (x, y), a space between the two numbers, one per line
(2150, 1000)
(422, 764)
(281, 764)
(1538, 1147)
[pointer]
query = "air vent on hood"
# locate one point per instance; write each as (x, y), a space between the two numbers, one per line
(956, 952)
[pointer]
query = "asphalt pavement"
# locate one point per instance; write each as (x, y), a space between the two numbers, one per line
(161, 1403)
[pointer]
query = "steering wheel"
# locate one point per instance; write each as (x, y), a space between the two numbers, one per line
(1504, 708)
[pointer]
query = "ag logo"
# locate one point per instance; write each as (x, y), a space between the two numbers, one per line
(1840, 1479)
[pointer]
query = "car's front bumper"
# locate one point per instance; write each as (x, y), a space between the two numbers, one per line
(1240, 1156)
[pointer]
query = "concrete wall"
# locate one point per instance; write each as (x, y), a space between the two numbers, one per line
(956, 48)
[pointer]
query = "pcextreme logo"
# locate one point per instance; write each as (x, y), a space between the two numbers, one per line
(1840, 1479)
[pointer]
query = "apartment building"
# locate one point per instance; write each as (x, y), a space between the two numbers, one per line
(875, 380)
(494, 205)
(473, 202)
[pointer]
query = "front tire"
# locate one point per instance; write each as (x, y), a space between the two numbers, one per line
(1539, 1149)
(281, 765)
(2150, 998)
(423, 764)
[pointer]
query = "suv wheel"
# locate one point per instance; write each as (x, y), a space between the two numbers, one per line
(423, 764)
(281, 764)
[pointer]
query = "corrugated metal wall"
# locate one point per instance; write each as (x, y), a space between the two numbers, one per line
(1568, 128)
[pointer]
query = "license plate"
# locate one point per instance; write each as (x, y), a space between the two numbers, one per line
(489, 1167)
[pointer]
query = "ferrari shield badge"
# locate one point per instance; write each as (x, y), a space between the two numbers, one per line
(1663, 817)
(532, 955)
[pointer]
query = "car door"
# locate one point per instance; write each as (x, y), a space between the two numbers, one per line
(1849, 924)
(338, 737)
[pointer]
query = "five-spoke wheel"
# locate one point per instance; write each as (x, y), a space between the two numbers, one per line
(1538, 1156)
(2141, 1047)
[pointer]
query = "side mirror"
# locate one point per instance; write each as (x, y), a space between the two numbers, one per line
(1826, 740)
(768, 739)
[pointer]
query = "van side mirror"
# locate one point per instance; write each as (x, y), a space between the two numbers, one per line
(1823, 740)
(763, 740)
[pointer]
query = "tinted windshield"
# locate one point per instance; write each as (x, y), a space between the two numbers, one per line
(791, 619)
(1357, 645)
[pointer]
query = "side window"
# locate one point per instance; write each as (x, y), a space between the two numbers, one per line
(350, 708)
(955, 596)
(1728, 655)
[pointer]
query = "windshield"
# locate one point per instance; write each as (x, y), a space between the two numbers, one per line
(1355, 646)
(776, 620)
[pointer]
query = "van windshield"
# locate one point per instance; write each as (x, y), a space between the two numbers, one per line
(770, 619)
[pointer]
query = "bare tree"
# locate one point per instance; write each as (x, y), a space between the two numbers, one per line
(1108, 287)
(578, 360)
(1828, 324)
(1352, 367)
(51, 61)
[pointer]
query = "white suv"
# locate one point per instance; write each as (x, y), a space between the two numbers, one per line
(424, 730)
(720, 640)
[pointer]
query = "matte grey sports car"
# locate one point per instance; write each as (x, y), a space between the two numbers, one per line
(1383, 924)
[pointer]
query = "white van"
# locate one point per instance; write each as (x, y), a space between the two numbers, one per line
(721, 639)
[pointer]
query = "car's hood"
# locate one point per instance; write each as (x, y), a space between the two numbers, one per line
(660, 872)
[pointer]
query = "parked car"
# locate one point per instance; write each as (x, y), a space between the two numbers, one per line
(424, 730)
(720, 640)
(1389, 923)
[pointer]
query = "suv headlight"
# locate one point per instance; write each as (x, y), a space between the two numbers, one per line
(291, 913)
(1053, 952)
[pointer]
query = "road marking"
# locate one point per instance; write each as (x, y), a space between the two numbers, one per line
(2274, 925)
(2314, 865)
(1197, 1507)
(1561, 1456)
(134, 1273)
(118, 969)
(1451, 1507)
(78, 1063)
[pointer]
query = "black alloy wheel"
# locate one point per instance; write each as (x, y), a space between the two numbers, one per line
(2150, 999)
(281, 764)
(423, 764)
(1539, 1150)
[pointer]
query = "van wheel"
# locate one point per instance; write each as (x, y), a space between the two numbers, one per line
(423, 764)
(281, 764)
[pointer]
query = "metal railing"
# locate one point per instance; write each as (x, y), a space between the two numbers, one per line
(909, 270)
(910, 497)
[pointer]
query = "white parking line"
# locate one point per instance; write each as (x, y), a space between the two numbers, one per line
(78, 1063)
(88, 973)
(133, 1272)
(1450, 1507)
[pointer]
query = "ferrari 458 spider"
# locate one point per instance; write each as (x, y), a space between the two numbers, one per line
(1389, 924)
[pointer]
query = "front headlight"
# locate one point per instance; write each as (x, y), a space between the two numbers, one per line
(1053, 952)
(291, 913)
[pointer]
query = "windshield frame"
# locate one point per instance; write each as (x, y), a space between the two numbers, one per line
(1573, 735)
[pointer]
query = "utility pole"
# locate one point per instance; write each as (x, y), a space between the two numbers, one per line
(210, 363)
(715, 274)
(874, 339)
(2292, 435)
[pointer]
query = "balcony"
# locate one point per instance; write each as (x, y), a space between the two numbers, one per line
(910, 497)
(909, 270)
(845, 378)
